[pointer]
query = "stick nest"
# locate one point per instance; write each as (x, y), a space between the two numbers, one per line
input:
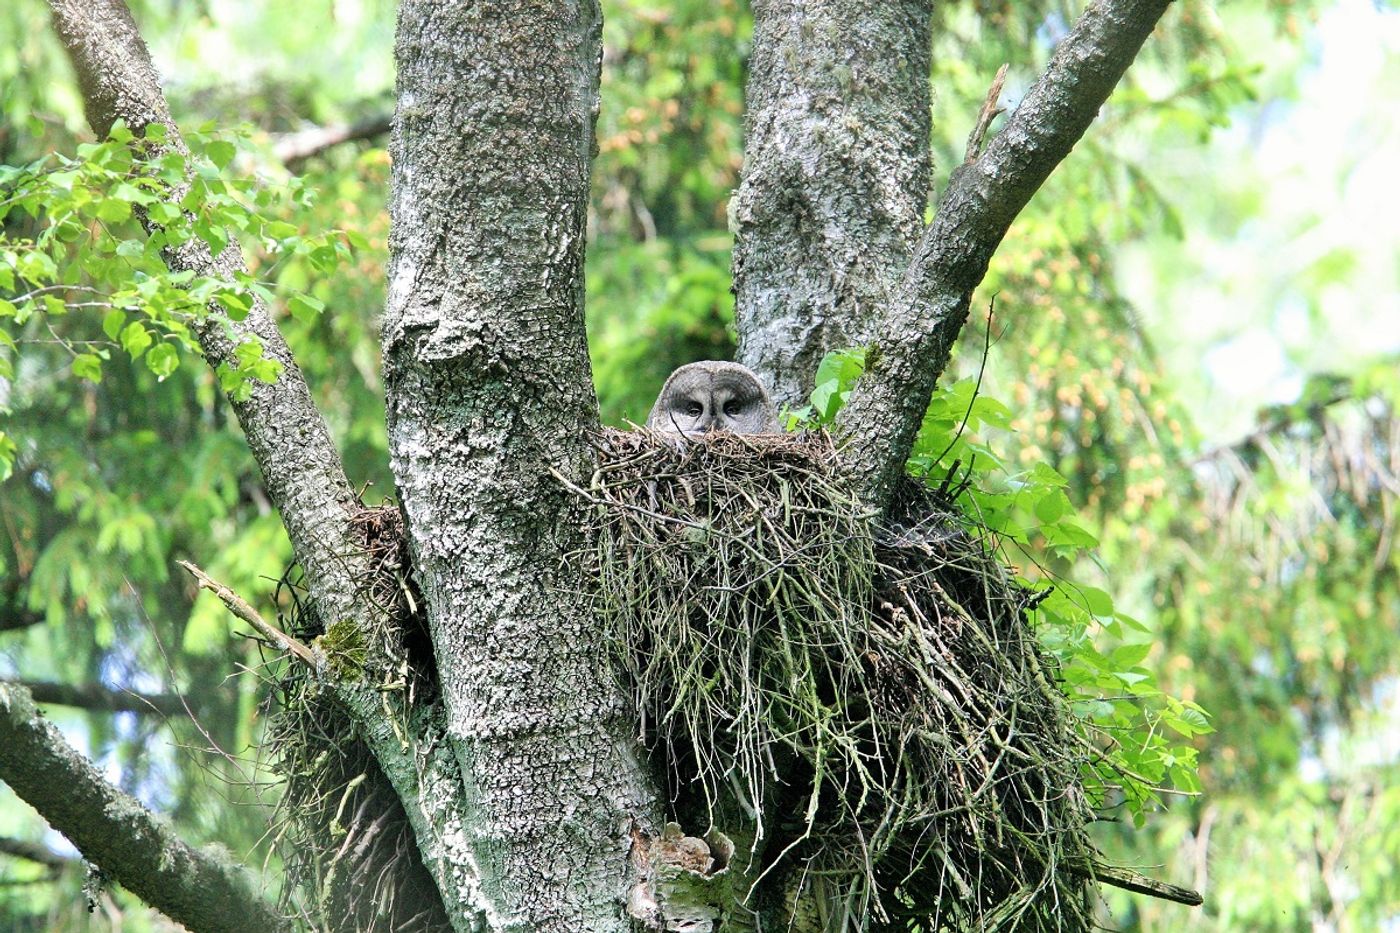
(872, 697)
(350, 854)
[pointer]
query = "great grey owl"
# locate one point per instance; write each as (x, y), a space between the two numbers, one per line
(713, 396)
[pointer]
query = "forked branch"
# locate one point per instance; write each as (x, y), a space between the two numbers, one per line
(984, 195)
(299, 461)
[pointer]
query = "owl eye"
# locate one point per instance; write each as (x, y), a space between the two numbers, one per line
(732, 409)
(694, 409)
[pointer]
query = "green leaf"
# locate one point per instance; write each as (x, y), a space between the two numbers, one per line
(305, 308)
(163, 213)
(1097, 601)
(88, 366)
(213, 235)
(220, 152)
(7, 456)
(135, 339)
(162, 360)
(235, 304)
(1128, 656)
(1043, 474)
(112, 322)
(1052, 506)
(113, 210)
(37, 267)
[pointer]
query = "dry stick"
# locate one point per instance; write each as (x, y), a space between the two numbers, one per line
(247, 613)
(989, 112)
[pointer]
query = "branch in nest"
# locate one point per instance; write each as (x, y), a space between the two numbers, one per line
(1129, 880)
(247, 613)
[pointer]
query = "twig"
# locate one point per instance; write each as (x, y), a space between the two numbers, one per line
(293, 148)
(989, 112)
(247, 613)
(96, 696)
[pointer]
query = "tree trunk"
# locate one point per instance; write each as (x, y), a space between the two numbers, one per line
(489, 390)
(835, 182)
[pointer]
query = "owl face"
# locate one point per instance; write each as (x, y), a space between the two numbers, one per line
(713, 396)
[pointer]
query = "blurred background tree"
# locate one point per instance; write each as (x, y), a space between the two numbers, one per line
(1198, 323)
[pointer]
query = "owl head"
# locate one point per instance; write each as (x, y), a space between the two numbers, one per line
(713, 396)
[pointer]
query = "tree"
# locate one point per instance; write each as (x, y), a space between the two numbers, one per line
(489, 394)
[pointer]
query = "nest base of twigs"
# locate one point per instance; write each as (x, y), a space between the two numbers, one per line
(871, 697)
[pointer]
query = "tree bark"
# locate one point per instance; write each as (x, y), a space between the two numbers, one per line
(488, 385)
(835, 180)
(197, 888)
(918, 325)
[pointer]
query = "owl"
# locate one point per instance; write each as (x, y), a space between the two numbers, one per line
(713, 396)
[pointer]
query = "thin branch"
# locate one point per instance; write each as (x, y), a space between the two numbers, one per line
(115, 831)
(33, 852)
(930, 306)
(240, 608)
(292, 149)
(100, 697)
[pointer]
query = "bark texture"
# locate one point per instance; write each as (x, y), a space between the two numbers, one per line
(201, 889)
(835, 181)
(488, 384)
(918, 325)
(301, 468)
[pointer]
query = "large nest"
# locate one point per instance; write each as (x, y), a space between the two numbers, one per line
(871, 696)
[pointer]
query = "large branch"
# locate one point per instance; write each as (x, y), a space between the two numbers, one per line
(301, 468)
(114, 830)
(835, 181)
(488, 385)
(923, 318)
